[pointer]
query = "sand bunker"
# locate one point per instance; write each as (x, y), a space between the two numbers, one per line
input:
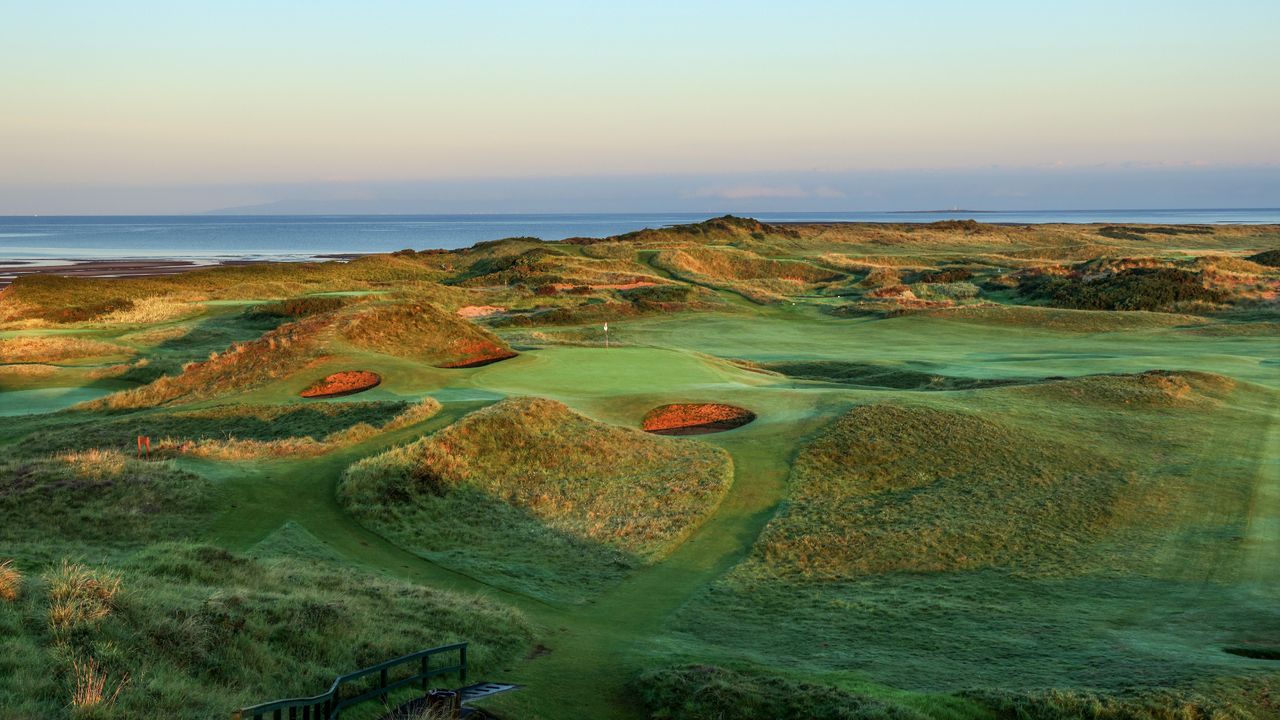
(476, 353)
(347, 382)
(479, 311)
(695, 418)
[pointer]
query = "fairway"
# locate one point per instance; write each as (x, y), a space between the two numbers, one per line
(945, 511)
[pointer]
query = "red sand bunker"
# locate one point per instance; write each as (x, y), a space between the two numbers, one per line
(695, 418)
(347, 382)
(476, 353)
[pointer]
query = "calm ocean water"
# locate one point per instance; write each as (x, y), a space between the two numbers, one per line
(222, 237)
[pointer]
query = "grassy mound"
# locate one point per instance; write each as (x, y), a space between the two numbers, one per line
(1270, 258)
(54, 299)
(231, 448)
(102, 497)
(347, 382)
(695, 418)
(705, 692)
(262, 423)
(1135, 704)
(1151, 389)
(300, 307)
(1137, 288)
(241, 367)
(889, 488)
(731, 264)
(420, 331)
(1062, 320)
(756, 277)
(193, 631)
(531, 495)
(425, 332)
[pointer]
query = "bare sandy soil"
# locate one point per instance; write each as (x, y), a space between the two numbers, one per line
(479, 311)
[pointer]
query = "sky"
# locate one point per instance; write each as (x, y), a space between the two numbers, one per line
(401, 106)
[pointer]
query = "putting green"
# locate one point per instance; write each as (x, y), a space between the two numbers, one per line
(965, 349)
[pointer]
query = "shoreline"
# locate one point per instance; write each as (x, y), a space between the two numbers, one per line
(12, 269)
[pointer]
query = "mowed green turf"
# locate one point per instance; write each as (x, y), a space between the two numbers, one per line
(867, 555)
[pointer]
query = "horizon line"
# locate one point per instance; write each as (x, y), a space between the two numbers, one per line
(714, 213)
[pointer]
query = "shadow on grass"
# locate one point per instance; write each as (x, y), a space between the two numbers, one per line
(484, 537)
(894, 377)
(952, 631)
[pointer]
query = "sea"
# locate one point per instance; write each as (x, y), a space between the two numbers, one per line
(213, 238)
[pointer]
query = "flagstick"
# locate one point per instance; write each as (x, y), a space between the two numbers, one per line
(606, 336)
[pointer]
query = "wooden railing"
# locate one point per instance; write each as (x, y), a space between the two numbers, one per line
(329, 705)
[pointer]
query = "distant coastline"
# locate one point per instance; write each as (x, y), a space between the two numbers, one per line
(181, 240)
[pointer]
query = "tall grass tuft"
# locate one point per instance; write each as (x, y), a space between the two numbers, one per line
(92, 688)
(10, 581)
(96, 463)
(45, 349)
(80, 596)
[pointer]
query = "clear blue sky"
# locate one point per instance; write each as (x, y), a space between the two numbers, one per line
(183, 106)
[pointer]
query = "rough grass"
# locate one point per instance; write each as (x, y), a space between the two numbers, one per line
(890, 488)
(93, 689)
(903, 557)
(1087, 534)
(757, 278)
(80, 597)
(1134, 704)
(238, 449)
(425, 332)
(294, 308)
(1139, 288)
(1270, 258)
(102, 497)
(535, 496)
(1151, 389)
(54, 348)
(10, 581)
(148, 310)
(20, 375)
(243, 366)
(420, 331)
(222, 423)
(200, 631)
(58, 300)
(705, 692)
(732, 264)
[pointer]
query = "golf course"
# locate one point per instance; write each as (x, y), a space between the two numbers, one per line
(722, 471)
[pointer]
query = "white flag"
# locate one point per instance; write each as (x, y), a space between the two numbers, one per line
(606, 327)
